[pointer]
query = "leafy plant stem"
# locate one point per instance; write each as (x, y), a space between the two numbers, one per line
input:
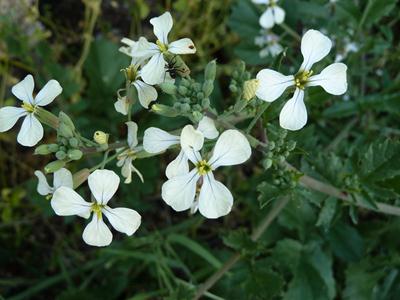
(261, 110)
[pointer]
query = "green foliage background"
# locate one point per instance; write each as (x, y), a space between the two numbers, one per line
(319, 247)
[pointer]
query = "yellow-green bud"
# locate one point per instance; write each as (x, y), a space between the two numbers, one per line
(61, 155)
(197, 116)
(208, 87)
(65, 131)
(63, 117)
(42, 150)
(211, 70)
(101, 137)
(75, 154)
(164, 110)
(250, 88)
(53, 147)
(54, 166)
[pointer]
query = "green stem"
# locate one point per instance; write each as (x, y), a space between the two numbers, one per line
(261, 110)
(290, 31)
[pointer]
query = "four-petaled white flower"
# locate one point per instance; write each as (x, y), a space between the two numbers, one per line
(156, 140)
(31, 130)
(215, 199)
(154, 72)
(126, 157)
(146, 93)
(270, 44)
(62, 177)
(103, 185)
(314, 47)
(273, 15)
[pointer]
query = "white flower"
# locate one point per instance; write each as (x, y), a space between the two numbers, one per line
(154, 71)
(215, 199)
(103, 185)
(62, 177)
(314, 47)
(31, 130)
(125, 158)
(273, 15)
(271, 41)
(157, 140)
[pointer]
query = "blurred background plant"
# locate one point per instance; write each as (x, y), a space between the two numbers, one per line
(319, 248)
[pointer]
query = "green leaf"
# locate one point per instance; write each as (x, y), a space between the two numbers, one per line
(327, 213)
(268, 193)
(377, 9)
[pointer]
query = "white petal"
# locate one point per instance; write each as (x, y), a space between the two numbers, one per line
(144, 50)
(126, 169)
(103, 184)
(67, 202)
(178, 166)
(162, 26)
(97, 233)
(48, 93)
(156, 140)
(232, 148)
(279, 14)
(261, 1)
(191, 138)
(154, 71)
(63, 177)
(9, 116)
(314, 47)
(207, 127)
(293, 115)
(23, 90)
(43, 187)
(122, 106)
(333, 79)
(215, 199)
(146, 93)
(182, 46)
(192, 155)
(31, 131)
(178, 192)
(267, 19)
(272, 84)
(124, 220)
(132, 134)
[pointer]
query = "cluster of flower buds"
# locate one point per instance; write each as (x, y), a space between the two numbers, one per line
(278, 151)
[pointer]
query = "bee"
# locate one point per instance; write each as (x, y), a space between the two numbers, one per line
(175, 66)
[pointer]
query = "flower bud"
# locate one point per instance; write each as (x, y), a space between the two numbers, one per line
(61, 155)
(250, 88)
(271, 145)
(164, 110)
(291, 145)
(185, 107)
(208, 87)
(168, 88)
(100, 137)
(182, 90)
(53, 147)
(65, 131)
(205, 102)
(210, 71)
(54, 166)
(63, 117)
(267, 163)
(42, 150)
(197, 116)
(73, 142)
(75, 154)
(233, 88)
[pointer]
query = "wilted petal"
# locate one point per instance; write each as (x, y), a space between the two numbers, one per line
(156, 140)
(154, 71)
(207, 127)
(267, 19)
(43, 187)
(178, 166)
(9, 116)
(232, 148)
(122, 106)
(23, 90)
(182, 46)
(132, 134)
(103, 184)
(293, 115)
(333, 79)
(215, 199)
(279, 14)
(178, 192)
(314, 47)
(63, 177)
(97, 233)
(191, 138)
(31, 131)
(272, 84)
(124, 220)
(67, 202)
(146, 93)
(162, 26)
(48, 93)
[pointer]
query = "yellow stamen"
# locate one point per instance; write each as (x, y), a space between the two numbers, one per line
(203, 167)
(97, 208)
(301, 79)
(163, 48)
(28, 107)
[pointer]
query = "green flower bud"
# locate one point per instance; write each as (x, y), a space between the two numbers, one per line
(63, 117)
(276, 181)
(54, 166)
(283, 133)
(64, 141)
(197, 87)
(267, 163)
(73, 142)
(53, 147)
(291, 145)
(185, 82)
(75, 154)
(177, 105)
(185, 107)
(65, 131)
(185, 100)
(196, 107)
(182, 90)
(200, 95)
(61, 155)
(164, 110)
(281, 158)
(233, 88)
(205, 102)
(242, 66)
(208, 87)
(168, 88)
(280, 142)
(235, 74)
(42, 150)
(271, 145)
(211, 70)
(270, 154)
(197, 116)
(286, 153)
(63, 148)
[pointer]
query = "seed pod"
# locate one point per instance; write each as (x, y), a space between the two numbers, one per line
(54, 166)
(208, 87)
(75, 154)
(211, 70)
(61, 155)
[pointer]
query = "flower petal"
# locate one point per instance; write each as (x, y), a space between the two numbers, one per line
(97, 233)
(31, 131)
(182, 46)
(9, 116)
(191, 138)
(156, 140)
(267, 19)
(146, 93)
(333, 79)
(178, 166)
(103, 184)
(314, 47)
(215, 199)
(48, 93)
(293, 115)
(272, 84)
(132, 134)
(162, 26)
(43, 187)
(63, 177)
(279, 14)
(122, 106)
(67, 202)
(124, 220)
(178, 192)
(154, 71)
(144, 50)
(23, 90)
(207, 127)
(261, 1)
(232, 148)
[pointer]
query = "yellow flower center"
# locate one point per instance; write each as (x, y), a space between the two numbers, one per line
(163, 48)
(28, 107)
(131, 73)
(301, 78)
(203, 167)
(97, 208)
